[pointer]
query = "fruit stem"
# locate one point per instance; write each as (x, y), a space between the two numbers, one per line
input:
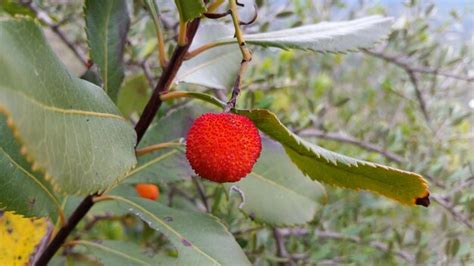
(236, 89)
(156, 147)
(246, 56)
(213, 6)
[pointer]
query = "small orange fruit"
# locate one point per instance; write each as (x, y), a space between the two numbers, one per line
(148, 191)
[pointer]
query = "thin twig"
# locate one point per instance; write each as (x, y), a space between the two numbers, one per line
(203, 48)
(217, 15)
(338, 236)
(248, 230)
(156, 147)
(372, 147)
(410, 69)
(419, 95)
(406, 63)
(98, 218)
(345, 138)
(48, 21)
(311, 132)
(469, 182)
(146, 70)
(201, 192)
(450, 208)
(153, 8)
(280, 247)
(246, 55)
(165, 82)
(236, 89)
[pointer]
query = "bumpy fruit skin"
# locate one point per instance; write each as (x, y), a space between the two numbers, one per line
(147, 191)
(223, 147)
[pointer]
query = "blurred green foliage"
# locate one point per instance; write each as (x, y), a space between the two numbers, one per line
(408, 98)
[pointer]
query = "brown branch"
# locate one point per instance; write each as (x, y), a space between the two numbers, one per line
(311, 132)
(395, 158)
(407, 64)
(338, 236)
(165, 81)
(419, 95)
(280, 247)
(410, 69)
(246, 55)
(450, 208)
(46, 19)
(146, 70)
(236, 89)
(217, 15)
(344, 138)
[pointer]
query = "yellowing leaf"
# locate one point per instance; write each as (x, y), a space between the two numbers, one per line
(339, 170)
(19, 237)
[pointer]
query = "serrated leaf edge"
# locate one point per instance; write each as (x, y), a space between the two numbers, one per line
(301, 143)
(35, 167)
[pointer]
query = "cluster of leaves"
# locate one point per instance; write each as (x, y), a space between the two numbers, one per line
(61, 121)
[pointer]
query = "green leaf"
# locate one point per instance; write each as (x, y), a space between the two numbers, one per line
(276, 192)
(339, 170)
(118, 253)
(69, 128)
(21, 190)
(333, 37)
(190, 9)
(215, 68)
(107, 24)
(199, 238)
(134, 95)
(327, 36)
(167, 165)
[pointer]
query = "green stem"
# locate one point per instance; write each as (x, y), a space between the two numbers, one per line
(195, 95)
(156, 147)
(153, 8)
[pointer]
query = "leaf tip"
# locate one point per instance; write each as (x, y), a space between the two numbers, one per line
(423, 201)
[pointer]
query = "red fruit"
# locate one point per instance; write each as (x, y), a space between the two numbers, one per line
(223, 147)
(147, 191)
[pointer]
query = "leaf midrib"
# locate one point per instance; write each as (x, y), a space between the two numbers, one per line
(358, 163)
(62, 110)
(120, 253)
(154, 217)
